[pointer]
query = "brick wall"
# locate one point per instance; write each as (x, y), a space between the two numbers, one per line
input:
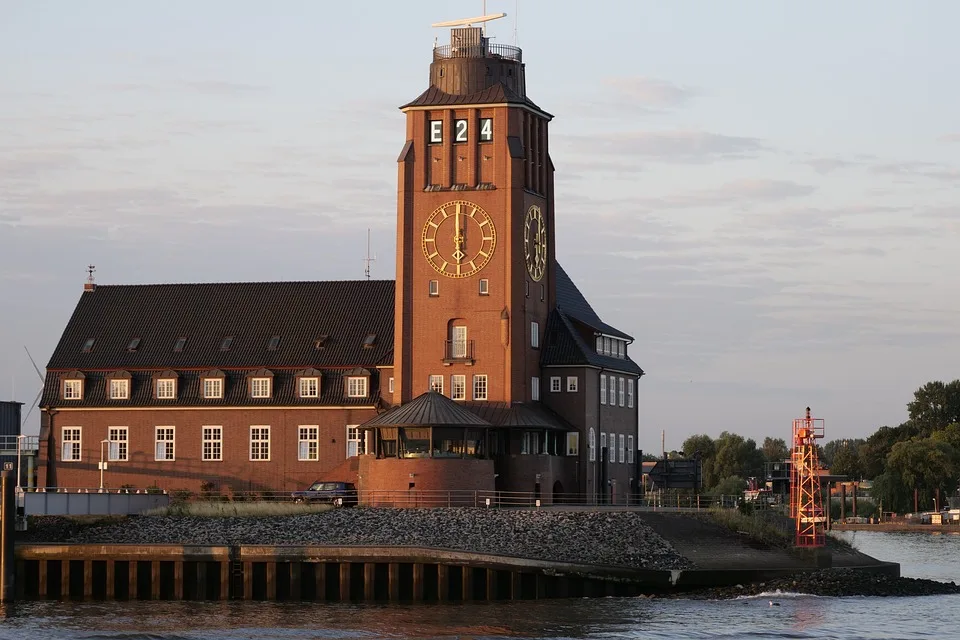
(429, 475)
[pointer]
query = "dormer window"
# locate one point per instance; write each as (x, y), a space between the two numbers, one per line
(260, 387)
(212, 388)
(357, 387)
(180, 344)
(369, 341)
(310, 387)
(133, 345)
(73, 389)
(166, 388)
(321, 342)
(225, 344)
(119, 389)
(274, 343)
(88, 345)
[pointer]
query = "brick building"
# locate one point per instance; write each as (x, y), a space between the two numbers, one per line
(483, 366)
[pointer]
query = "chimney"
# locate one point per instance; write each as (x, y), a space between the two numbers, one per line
(90, 284)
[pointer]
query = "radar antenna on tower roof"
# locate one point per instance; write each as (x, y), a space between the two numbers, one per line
(469, 22)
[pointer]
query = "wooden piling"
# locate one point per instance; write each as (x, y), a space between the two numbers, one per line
(134, 574)
(393, 577)
(248, 581)
(320, 580)
(443, 582)
(296, 588)
(111, 576)
(271, 580)
(369, 581)
(345, 582)
(64, 579)
(87, 579)
(225, 580)
(42, 578)
(178, 580)
(466, 583)
(491, 584)
(418, 581)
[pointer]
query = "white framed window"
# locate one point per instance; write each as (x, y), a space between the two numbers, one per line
(480, 386)
(259, 442)
(308, 442)
(607, 349)
(573, 382)
(630, 449)
(119, 389)
(603, 389)
(357, 387)
(212, 443)
(459, 338)
(310, 387)
(484, 287)
(434, 289)
(458, 387)
(117, 445)
(73, 389)
(621, 391)
(630, 392)
(592, 445)
(621, 456)
(436, 384)
(354, 443)
(212, 388)
(71, 442)
(555, 384)
(530, 443)
(534, 335)
(534, 388)
(613, 391)
(390, 385)
(165, 444)
(573, 443)
(166, 389)
(259, 388)
(603, 445)
(599, 344)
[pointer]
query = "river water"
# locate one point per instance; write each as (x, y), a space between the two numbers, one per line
(922, 555)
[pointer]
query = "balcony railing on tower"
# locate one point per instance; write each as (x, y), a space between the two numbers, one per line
(483, 49)
(458, 351)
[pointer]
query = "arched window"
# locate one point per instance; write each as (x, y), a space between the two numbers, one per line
(592, 445)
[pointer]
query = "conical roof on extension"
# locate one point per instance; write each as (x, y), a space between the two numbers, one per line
(430, 409)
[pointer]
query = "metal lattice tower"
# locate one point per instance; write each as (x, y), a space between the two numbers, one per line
(806, 502)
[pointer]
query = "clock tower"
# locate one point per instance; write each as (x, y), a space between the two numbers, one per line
(475, 221)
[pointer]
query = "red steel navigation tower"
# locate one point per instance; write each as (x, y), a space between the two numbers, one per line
(806, 503)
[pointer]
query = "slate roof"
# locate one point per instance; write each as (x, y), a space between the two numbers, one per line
(430, 409)
(532, 415)
(299, 312)
(496, 94)
(574, 305)
(235, 390)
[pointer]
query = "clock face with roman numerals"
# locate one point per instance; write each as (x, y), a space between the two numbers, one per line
(459, 239)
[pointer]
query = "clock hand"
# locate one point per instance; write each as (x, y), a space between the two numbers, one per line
(458, 239)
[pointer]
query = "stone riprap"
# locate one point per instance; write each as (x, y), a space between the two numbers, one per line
(596, 538)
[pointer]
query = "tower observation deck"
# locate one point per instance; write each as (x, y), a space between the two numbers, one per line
(471, 63)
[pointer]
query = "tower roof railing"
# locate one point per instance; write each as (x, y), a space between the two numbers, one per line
(484, 50)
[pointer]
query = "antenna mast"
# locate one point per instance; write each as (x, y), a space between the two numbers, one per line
(368, 259)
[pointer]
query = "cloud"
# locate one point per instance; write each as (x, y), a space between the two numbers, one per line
(823, 166)
(667, 146)
(743, 192)
(932, 170)
(950, 137)
(651, 92)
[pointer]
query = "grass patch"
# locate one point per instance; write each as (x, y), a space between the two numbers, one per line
(237, 509)
(755, 525)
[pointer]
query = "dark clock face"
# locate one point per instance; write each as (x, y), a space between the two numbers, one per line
(458, 239)
(535, 242)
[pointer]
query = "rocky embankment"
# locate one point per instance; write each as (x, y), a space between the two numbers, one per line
(612, 538)
(831, 582)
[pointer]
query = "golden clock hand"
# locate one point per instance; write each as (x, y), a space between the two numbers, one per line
(458, 239)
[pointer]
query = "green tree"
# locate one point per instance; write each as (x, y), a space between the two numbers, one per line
(735, 456)
(730, 486)
(775, 449)
(846, 461)
(873, 453)
(935, 405)
(926, 464)
(890, 492)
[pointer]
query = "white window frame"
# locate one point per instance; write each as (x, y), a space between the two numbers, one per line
(573, 443)
(390, 384)
(484, 287)
(169, 442)
(458, 338)
(613, 391)
(603, 443)
(354, 441)
(458, 387)
(555, 386)
(165, 389)
(433, 289)
(305, 384)
(534, 388)
(630, 393)
(72, 436)
(481, 386)
(213, 388)
(211, 443)
(119, 389)
(357, 387)
(435, 383)
(261, 387)
(600, 345)
(630, 449)
(534, 334)
(573, 384)
(259, 443)
(622, 442)
(592, 445)
(603, 388)
(73, 389)
(622, 393)
(118, 444)
(308, 442)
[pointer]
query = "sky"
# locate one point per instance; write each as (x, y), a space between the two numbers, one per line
(766, 195)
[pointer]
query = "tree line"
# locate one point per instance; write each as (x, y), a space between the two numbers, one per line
(922, 454)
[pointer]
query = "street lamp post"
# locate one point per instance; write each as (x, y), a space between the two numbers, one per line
(19, 449)
(103, 464)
